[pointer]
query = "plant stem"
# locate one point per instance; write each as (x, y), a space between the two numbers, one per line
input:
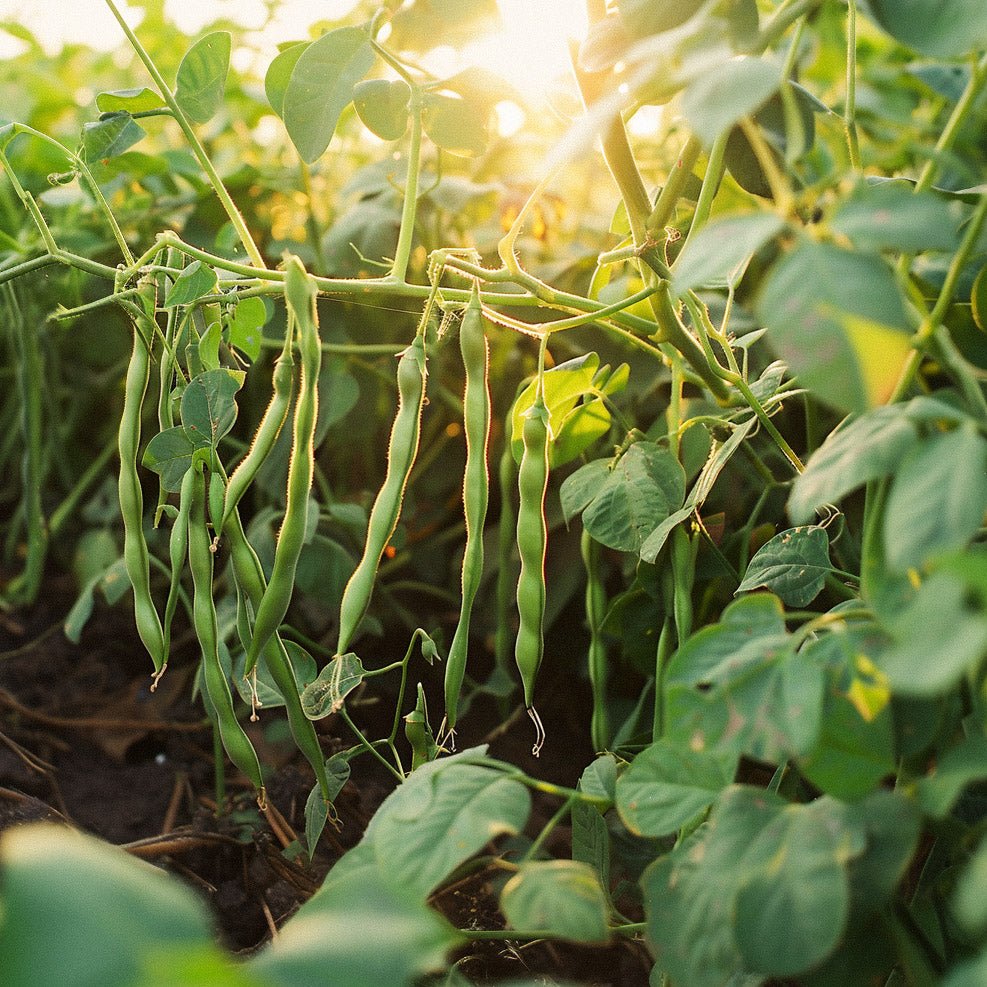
(402, 253)
(197, 149)
(850, 109)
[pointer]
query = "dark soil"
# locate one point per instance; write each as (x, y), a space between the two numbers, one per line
(84, 741)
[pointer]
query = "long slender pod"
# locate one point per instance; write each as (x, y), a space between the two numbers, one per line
(532, 543)
(506, 543)
(135, 551)
(401, 452)
(282, 380)
(235, 741)
(596, 601)
(476, 424)
(249, 576)
(177, 550)
(300, 295)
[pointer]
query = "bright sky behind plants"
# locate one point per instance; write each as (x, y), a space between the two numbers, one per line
(529, 52)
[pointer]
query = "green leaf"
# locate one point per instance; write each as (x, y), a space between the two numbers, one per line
(892, 216)
(169, 454)
(384, 106)
(209, 406)
(336, 681)
(316, 809)
(791, 911)
(960, 766)
(269, 696)
(76, 910)
(600, 777)
(129, 101)
(362, 931)
(445, 812)
(718, 255)
(970, 973)
(202, 75)
(457, 125)
(838, 320)
(969, 901)
(853, 755)
(793, 565)
(629, 500)
(249, 317)
(941, 28)
(563, 897)
(938, 638)
(196, 280)
(644, 17)
(668, 784)
(738, 685)
(718, 98)
(937, 498)
(591, 840)
(858, 451)
(321, 87)
(279, 75)
(111, 136)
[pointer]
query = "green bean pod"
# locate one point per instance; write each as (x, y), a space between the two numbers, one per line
(532, 542)
(177, 549)
(596, 602)
(135, 552)
(506, 543)
(300, 295)
(283, 381)
(249, 576)
(235, 741)
(401, 452)
(476, 424)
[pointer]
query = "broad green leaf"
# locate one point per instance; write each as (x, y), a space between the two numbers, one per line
(600, 777)
(591, 840)
(960, 766)
(209, 406)
(644, 486)
(853, 754)
(739, 686)
(937, 498)
(209, 347)
(316, 809)
(969, 901)
(563, 897)
(858, 451)
(321, 87)
(717, 256)
(831, 313)
(717, 99)
(50, 931)
(426, 24)
(169, 454)
(690, 894)
(195, 967)
(196, 280)
(891, 216)
(268, 695)
(384, 106)
(481, 86)
(793, 565)
(279, 75)
(202, 75)
(668, 784)
(457, 125)
(580, 488)
(938, 638)
(111, 136)
(246, 323)
(359, 931)
(336, 681)
(129, 101)
(644, 17)
(791, 911)
(970, 973)
(941, 28)
(443, 814)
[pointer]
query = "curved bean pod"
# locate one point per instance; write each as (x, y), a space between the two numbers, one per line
(532, 542)
(476, 425)
(235, 741)
(401, 452)
(177, 550)
(300, 295)
(135, 553)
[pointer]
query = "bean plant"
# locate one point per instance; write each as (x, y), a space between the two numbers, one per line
(717, 465)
